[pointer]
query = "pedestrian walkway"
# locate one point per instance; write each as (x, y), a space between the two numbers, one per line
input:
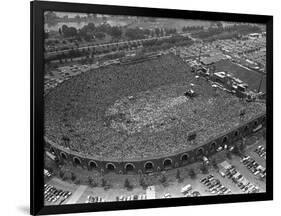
(77, 194)
(150, 192)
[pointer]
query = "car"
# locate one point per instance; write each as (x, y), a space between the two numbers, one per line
(203, 179)
(217, 186)
(228, 191)
(257, 172)
(222, 174)
(186, 189)
(205, 182)
(167, 195)
(196, 193)
(224, 190)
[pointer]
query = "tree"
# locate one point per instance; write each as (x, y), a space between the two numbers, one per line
(214, 163)
(65, 177)
(204, 169)
(100, 35)
(51, 17)
(103, 182)
(58, 162)
(116, 32)
(68, 31)
(264, 134)
(219, 24)
(91, 26)
(192, 173)
(163, 179)
(228, 155)
(157, 32)
(73, 176)
(77, 181)
(61, 174)
(143, 183)
(134, 33)
(90, 180)
(178, 176)
(127, 184)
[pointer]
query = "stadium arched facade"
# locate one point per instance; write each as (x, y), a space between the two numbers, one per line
(159, 163)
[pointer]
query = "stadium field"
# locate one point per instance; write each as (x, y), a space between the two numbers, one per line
(139, 110)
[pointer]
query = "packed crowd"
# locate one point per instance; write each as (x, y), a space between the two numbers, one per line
(75, 113)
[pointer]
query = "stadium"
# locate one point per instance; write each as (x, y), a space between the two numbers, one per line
(143, 116)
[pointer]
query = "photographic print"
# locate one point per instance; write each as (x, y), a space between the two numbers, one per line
(152, 108)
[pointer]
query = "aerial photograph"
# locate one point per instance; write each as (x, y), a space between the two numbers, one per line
(139, 108)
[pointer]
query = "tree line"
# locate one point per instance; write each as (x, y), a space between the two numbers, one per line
(227, 32)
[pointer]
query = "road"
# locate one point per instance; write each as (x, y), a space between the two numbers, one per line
(77, 194)
(116, 43)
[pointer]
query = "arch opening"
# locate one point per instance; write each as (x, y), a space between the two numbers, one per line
(224, 140)
(167, 163)
(213, 146)
(63, 155)
(184, 158)
(148, 166)
(110, 167)
(77, 161)
(92, 165)
(129, 167)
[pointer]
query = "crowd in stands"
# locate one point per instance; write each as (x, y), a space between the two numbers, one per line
(75, 110)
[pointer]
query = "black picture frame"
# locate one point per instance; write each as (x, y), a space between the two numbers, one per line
(37, 117)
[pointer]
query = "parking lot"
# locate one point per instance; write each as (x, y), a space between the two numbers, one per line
(235, 180)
